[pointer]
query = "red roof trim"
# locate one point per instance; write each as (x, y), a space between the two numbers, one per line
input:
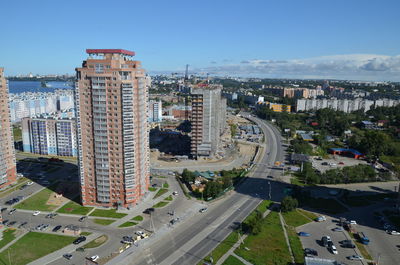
(121, 51)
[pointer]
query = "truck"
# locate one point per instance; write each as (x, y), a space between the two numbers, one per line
(363, 238)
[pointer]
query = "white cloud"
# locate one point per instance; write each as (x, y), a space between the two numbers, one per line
(352, 66)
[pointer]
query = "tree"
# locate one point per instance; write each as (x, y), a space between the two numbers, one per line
(187, 176)
(289, 204)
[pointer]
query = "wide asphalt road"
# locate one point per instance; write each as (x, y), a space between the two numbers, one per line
(193, 239)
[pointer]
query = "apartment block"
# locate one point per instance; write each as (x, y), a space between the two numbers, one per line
(208, 119)
(49, 136)
(8, 172)
(112, 121)
(155, 111)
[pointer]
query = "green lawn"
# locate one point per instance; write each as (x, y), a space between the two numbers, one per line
(127, 224)
(232, 260)
(361, 248)
(166, 185)
(294, 218)
(295, 245)
(160, 192)
(308, 214)
(267, 247)
(223, 247)
(169, 198)
(85, 234)
(160, 204)
(8, 236)
(112, 213)
(103, 221)
(74, 208)
(138, 218)
(264, 205)
(96, 242)
(37, 201)
(32, 246)
(152, 189)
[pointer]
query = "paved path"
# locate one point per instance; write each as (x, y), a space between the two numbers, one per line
(68, 249)
(242, 259)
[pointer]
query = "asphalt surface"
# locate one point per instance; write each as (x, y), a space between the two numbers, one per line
(193, 239)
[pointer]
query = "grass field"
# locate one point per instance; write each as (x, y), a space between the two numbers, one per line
(96, 242)
(160, 204)
(37, 201)
(160, 192)
(308, 214)
(127, 224)
(295, 218)
(295, 245)
(85, 234)
(32, 246)
(166, 185)
(138, 218)
(232, 260)
(169, 198)
(8, 236)
(74, 208)
(103, 221)
(267, 247)
(152, 189)
(111, 213)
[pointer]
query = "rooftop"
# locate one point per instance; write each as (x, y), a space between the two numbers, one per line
(104, 51)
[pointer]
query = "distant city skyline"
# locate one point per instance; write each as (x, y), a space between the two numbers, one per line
(354, 40)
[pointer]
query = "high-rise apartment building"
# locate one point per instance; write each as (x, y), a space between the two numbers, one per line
(49, 136)
(113, 143)
(155, 111)
(208, 119)
(8, 172)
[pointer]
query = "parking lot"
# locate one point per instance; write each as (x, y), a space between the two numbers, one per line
(319, 229)
(335, 161)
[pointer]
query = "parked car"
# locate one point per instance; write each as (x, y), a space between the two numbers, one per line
(22, 224)
(5, 222)
(51, 215)
(148, 210)
(355, 257)
(320, 218)
(348, 245)
(12, 223)
(67, 256)
(56, 228)
(175, 193)
(338, 229)
(310, 252)
(202, 210)
(12, 211)
(325, 240)
(82, 219)
(29, 183)
(304, 234)
(94, 258)
(79, 240)
(140, 233)
(352, 222)
(3, 209)
(333, 250)
(395, 233)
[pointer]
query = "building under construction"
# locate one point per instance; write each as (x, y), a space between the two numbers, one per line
(208, 119)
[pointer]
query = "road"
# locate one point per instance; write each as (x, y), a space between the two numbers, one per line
(193, 239)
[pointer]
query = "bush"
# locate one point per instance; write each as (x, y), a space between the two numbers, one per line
(289, 204)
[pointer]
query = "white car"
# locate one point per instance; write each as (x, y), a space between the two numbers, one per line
(139, 233)
(29, 183)
(202, 210)
(395, 233)
(175, 193)
(94, 258)
(355, 257)
(334, 250)
(36, 213)
(352, 222)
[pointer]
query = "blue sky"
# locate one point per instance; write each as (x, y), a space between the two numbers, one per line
(327, 39)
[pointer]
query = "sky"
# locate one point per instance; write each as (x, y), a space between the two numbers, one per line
(341, 39)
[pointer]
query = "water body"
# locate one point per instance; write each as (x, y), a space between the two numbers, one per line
(36, 86)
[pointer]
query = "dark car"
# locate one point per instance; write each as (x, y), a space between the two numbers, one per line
(3, 209)
(148, 210)
(310, 252)
(67, 256)
(82, 219)
(12, 223)
(22, 224)
(56, 228)
(79, 240)
(345, 242)
(348, 245)
(5, 222)
(304, 234)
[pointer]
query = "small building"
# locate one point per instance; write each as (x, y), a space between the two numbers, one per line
(367, 125)
(306, 137)
(347, 152)
(72, 230)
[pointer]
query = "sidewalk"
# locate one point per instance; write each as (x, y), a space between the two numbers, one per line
(68, 249)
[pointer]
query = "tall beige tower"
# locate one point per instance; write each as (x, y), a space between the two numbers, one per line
(8, 172)
(113, 143)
